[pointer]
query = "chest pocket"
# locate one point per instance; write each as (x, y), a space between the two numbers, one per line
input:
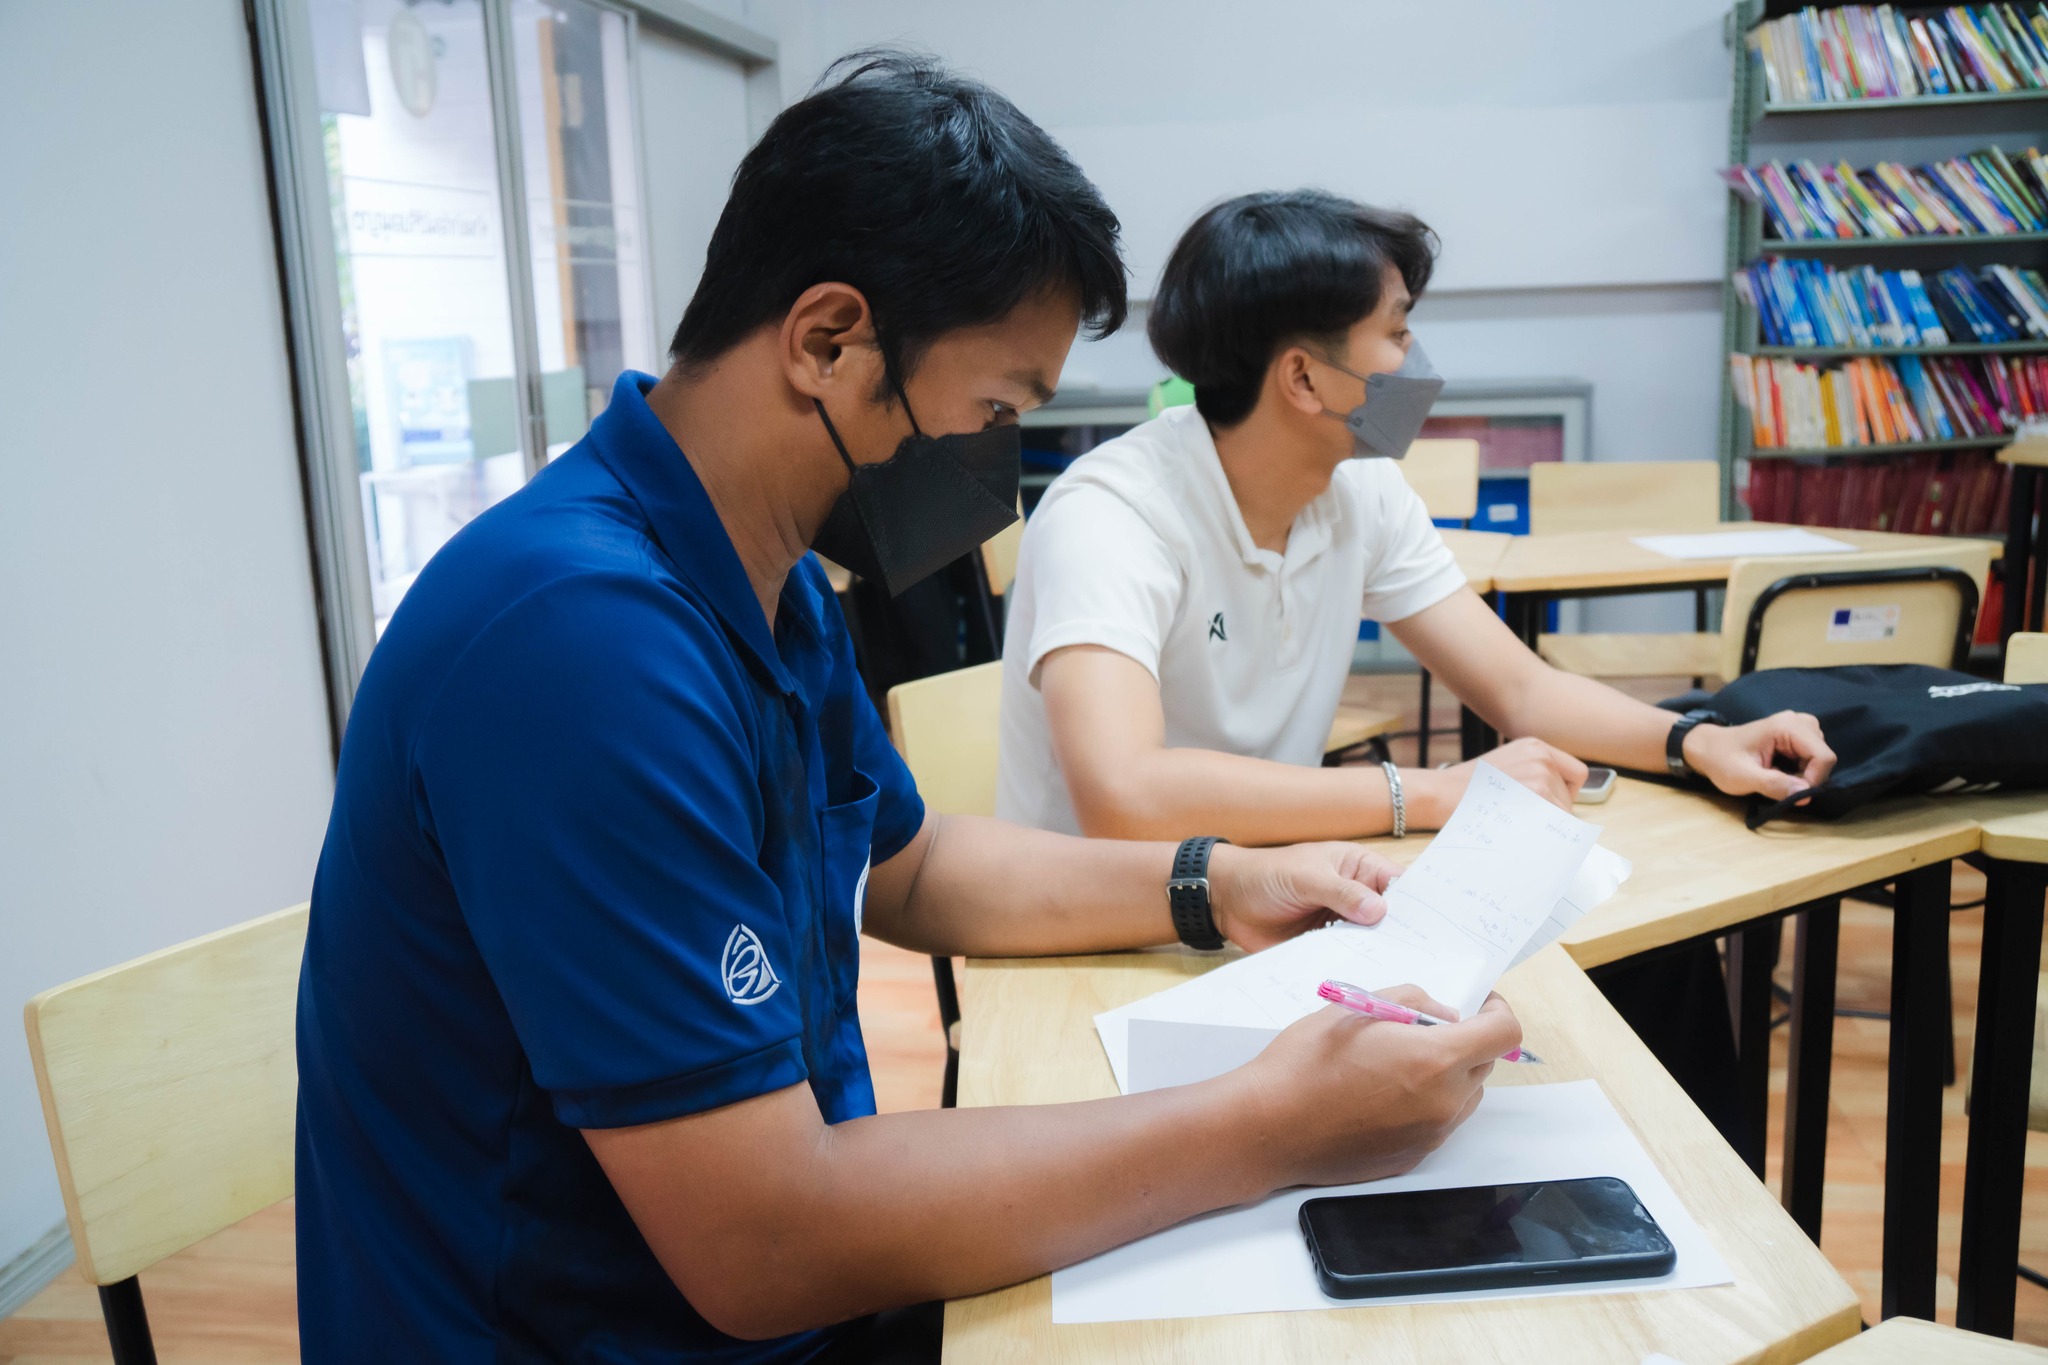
(847, 836)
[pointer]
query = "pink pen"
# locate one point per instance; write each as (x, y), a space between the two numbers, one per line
(1379, 1007)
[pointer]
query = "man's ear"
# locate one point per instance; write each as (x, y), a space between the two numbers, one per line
(828, 343)
(1294, 380)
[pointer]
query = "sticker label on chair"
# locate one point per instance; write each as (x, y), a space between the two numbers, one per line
(1853, 625)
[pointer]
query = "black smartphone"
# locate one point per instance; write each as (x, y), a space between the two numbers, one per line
(1483, 1237)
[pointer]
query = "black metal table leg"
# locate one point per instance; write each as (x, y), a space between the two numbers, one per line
(1523, 612)
(949, 1015)
(2019, 549)
(1750, 958)
(1912, 1144)
(1816, 941)
(1994, 1177)
(1422, 727)
(127, 1323)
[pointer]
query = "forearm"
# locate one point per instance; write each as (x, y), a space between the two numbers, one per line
(1588, 719)
(1480, 660)
(993, 889)
(825, 1223)
(937, 1204)
(1168, 793)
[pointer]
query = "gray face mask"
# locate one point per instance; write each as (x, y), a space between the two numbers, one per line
(1395, 406)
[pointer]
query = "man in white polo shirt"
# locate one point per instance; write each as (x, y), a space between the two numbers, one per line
(1188, 594)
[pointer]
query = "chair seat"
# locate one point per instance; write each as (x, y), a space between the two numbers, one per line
(1355, 725)
(1632, 656)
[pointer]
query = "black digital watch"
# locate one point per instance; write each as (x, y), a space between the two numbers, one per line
(1187, 894)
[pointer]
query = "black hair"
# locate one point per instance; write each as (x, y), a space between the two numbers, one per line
(930, 193)
(1265, 271)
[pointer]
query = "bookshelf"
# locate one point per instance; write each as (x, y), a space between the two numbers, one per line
(1861, 131)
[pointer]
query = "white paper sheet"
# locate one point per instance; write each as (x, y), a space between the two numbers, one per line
(1489, 880)
(1742, 544)
(1508, 873)
(1252, 1259)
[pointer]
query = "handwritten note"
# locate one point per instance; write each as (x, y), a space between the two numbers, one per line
(1507, 874)
(1490, 878)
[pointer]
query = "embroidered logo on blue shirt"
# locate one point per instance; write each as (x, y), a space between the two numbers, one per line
(744, 968)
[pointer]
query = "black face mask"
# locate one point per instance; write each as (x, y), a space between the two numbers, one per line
(935, 499)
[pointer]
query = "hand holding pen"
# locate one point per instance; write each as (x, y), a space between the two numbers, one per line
(1390, 1012)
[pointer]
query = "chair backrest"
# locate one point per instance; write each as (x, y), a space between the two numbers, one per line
(1912, 606)
(945, 727)
(1635, 495)
(170, 1087)
(999, 555)
(2026, 658)
(1446, 474)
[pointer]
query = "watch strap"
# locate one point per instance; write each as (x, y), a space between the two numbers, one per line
(1674, 741)
(1187, 894)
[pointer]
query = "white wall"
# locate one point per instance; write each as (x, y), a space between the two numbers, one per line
(164, 756)
(1566, 156)
(693, 114)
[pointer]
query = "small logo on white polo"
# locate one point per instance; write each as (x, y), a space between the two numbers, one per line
(744, 968)
(1216, 628)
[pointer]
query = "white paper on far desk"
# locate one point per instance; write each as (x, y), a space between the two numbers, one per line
(1742, 544)
(1508, 873)
(1252, 1259)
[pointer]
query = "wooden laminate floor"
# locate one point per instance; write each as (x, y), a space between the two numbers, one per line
(230, 1301)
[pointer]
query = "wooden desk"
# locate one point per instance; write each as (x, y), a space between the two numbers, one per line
(1030, 1039)
(1595, 562)
(1477, 553)
(2015, 841)
(1700, 872)
(2025, 546)
(1909, 1341)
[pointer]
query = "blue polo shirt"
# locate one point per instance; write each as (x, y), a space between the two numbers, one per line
(596, 857)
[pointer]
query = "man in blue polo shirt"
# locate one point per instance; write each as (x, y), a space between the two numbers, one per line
(581, 1075)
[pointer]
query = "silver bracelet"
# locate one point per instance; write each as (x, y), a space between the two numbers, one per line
(1394, 793)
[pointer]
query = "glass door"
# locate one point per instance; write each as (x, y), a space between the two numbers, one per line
(460, 214)
(411, 165)
(581, 171)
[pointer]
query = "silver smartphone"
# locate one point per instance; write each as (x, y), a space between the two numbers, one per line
(1599, 786)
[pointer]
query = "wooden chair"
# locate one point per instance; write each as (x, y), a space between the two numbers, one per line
(170, 1088)
(1781, 612)
(1445, 474)
(2026, 658)
(1647, 496)
(999, 555)
(946, 728)
(1780, 609)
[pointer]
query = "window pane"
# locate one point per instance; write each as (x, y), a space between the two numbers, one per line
(590, 288)
(412, 175)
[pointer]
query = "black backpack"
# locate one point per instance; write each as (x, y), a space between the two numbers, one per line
(1899, 728)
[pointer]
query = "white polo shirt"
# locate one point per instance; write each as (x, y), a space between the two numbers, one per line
(1140, 547)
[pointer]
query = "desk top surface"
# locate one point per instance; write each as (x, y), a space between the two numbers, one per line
(2028, 452)
(1699, 870)
(1611, 559)
(1909, 1341)
(1477, 552)
(2019, 835)
(1029, 1038)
